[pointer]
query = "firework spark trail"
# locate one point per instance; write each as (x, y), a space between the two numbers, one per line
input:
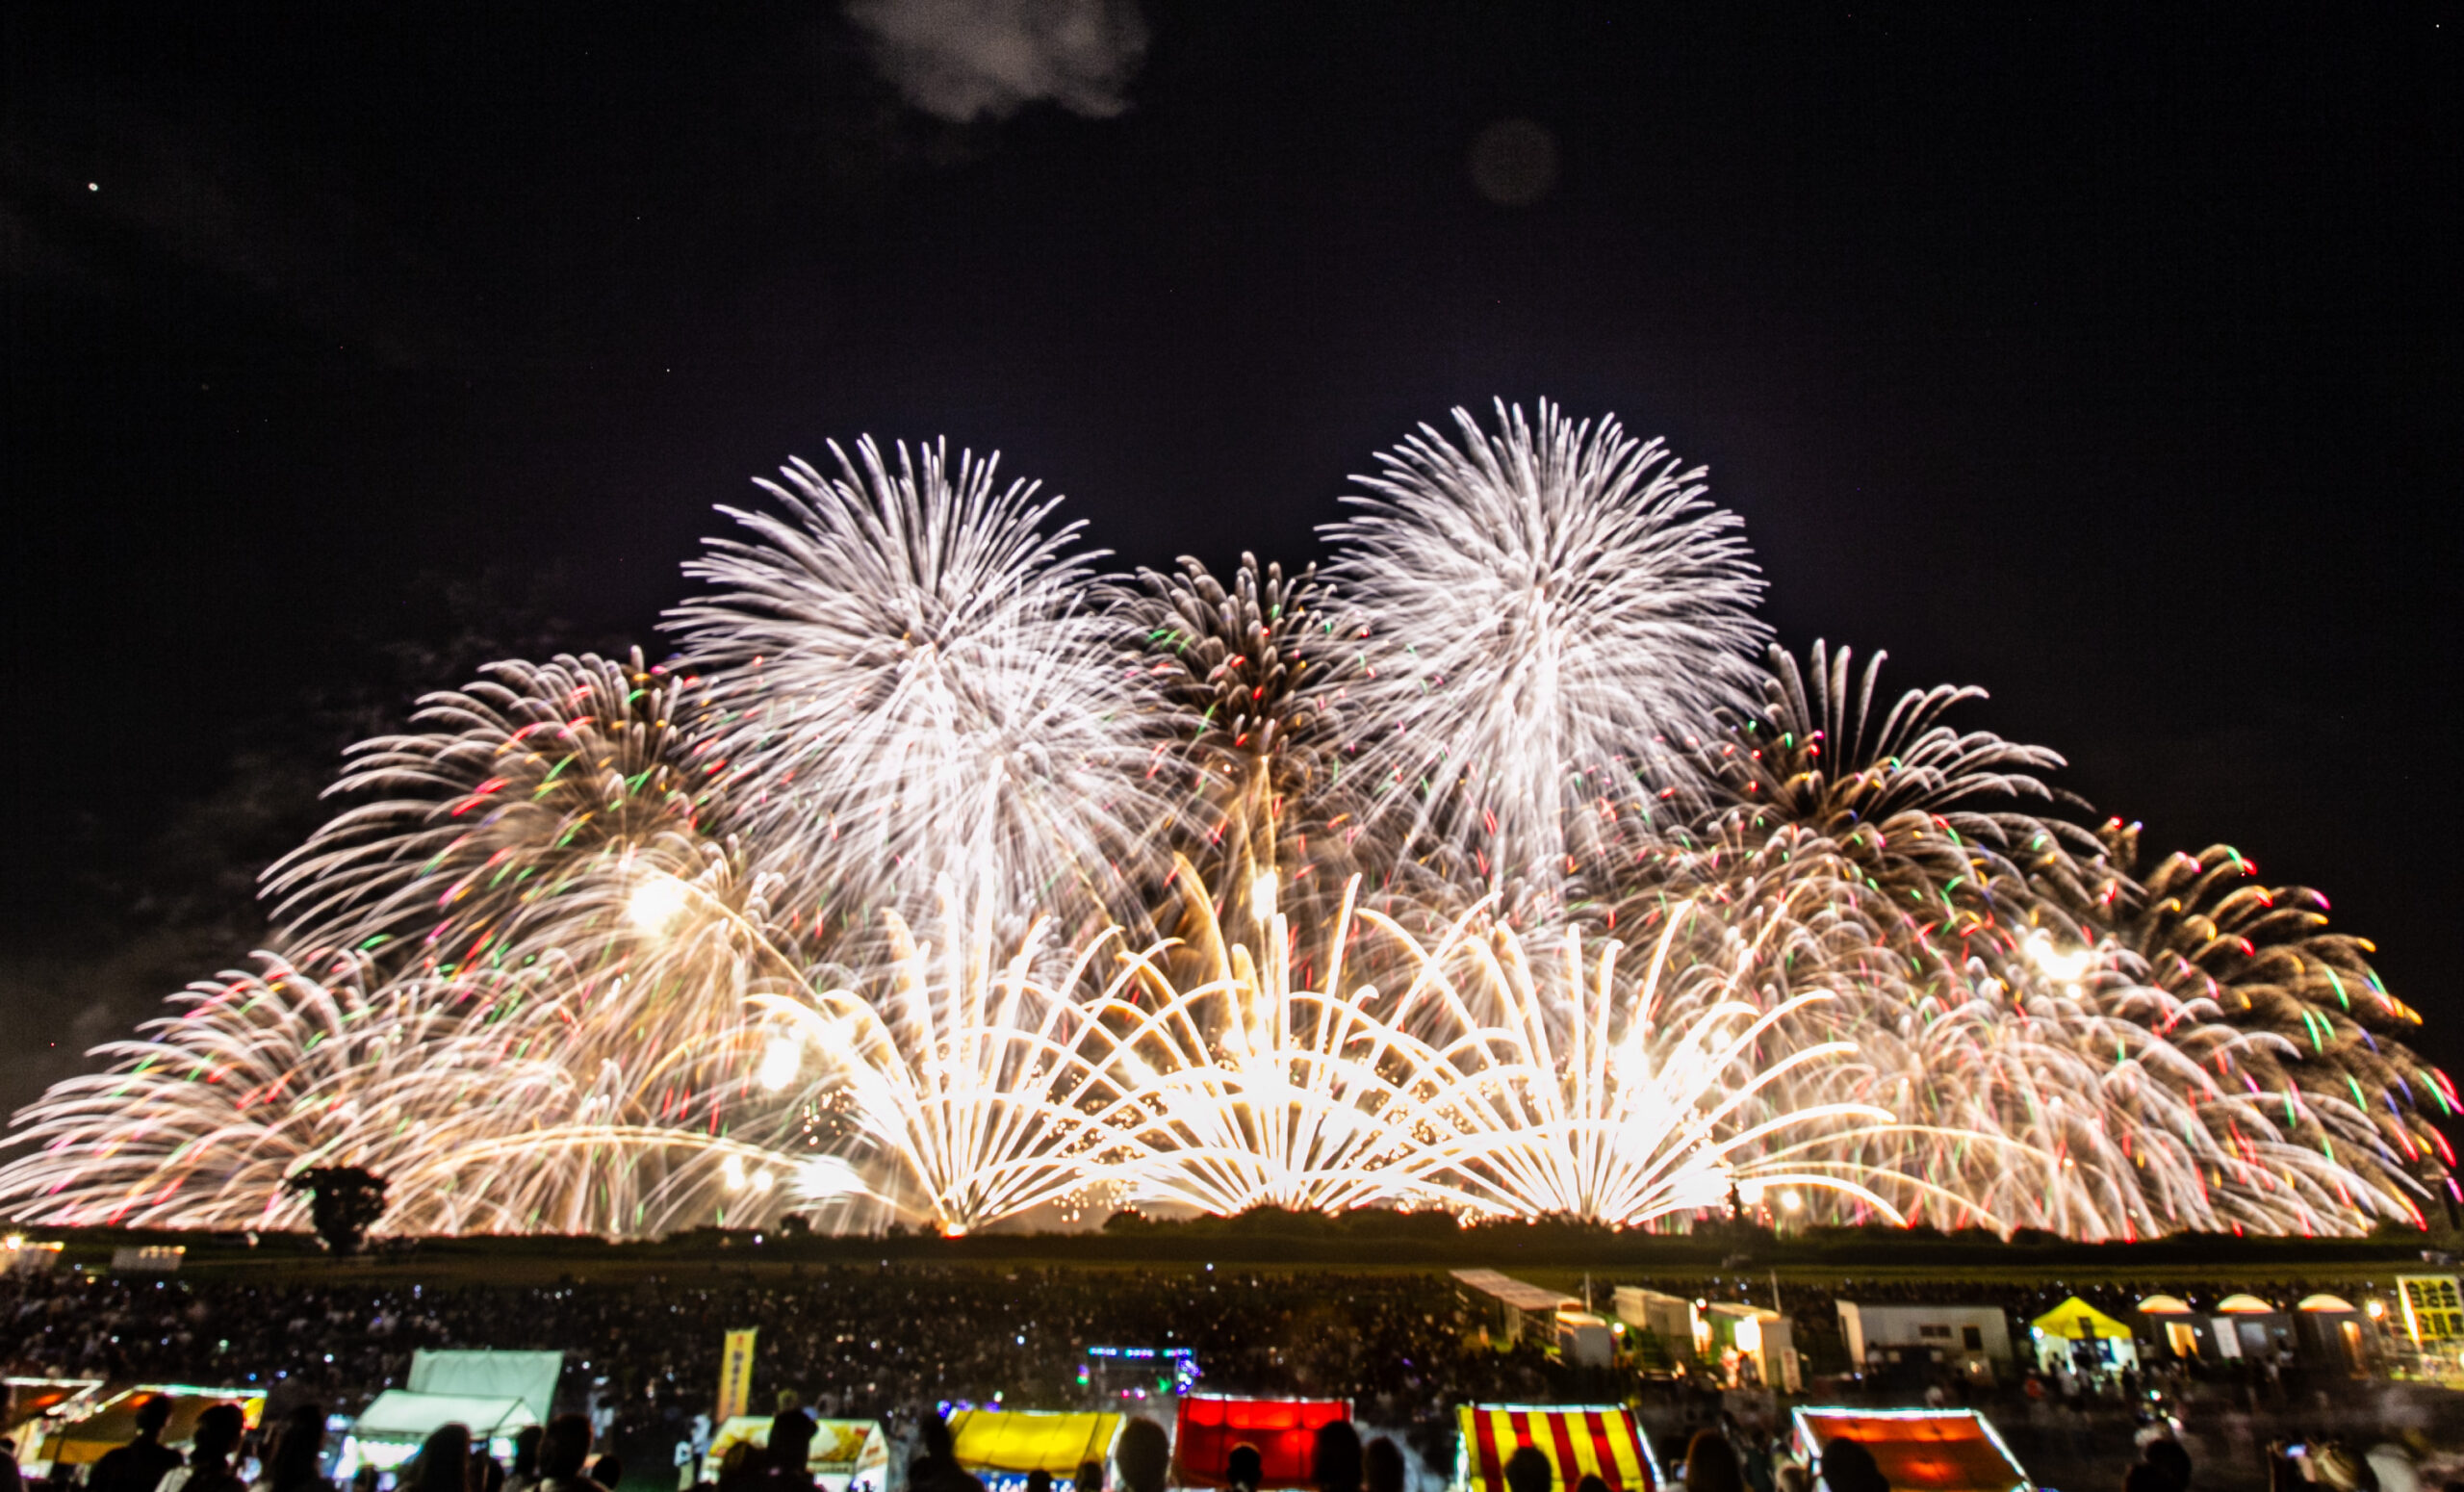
(2321, 1029)
(1918, 804)
(967, 1078)
(537, 779)
(1487, 1082)
(917, 689)
(542, 851)
(261, 1075)
(1244, 1085)
(1991, 1010)
(1258, 665)
(1579, 1092)
(1543, 613)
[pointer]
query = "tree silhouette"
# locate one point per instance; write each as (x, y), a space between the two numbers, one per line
(343, 1202)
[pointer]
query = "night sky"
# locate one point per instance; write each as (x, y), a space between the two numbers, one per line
(2105, 360)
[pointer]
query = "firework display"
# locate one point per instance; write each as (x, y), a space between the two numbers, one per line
(1501, 867)
(1542, 615)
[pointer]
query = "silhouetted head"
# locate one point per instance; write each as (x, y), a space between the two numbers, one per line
(1849, 1467)
(1711, 1464)
(791, 1441)
(1334, 1461)
(2167, 1457)
(443, 1463)
(526, 1449)
(564, 1447)
(219, 1430)
(1381, 1466)
(1143, 1455)
(299, 1446)
(153, 1414)
(1090, 1478)
(1530, 1470)
(1245, 1467)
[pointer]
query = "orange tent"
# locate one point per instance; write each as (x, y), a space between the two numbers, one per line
(1579, 1440)
(1919, 1450)
(1285, 1431)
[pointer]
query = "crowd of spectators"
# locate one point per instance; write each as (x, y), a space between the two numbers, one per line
(890, 1342)
(903, 1343)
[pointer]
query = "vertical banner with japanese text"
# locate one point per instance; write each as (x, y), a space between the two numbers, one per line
(735, 1375)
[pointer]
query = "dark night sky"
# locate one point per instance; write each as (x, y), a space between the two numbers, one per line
(2105, 360)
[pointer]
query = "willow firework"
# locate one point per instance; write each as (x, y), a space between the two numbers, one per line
(942, 878)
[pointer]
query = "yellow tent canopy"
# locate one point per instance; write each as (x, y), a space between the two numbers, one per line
(113, 1421)
(1020, 1441)
(2075, 1319)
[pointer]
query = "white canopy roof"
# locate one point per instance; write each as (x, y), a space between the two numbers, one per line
(529, 1376)
(1514, 1292)
(401, 1414)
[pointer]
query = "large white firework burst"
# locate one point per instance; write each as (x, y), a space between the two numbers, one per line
(917, 688)
(1547, 615)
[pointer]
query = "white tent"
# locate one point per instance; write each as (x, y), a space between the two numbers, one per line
(493, 1393)
(529, 1376)
(404, 1415)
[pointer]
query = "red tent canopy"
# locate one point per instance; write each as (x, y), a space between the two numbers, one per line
(1285, 1431)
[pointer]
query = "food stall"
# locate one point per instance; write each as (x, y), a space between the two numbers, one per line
(847, 1455)
(1002, 1446)
(1285, 1431)
(1579, 1440)
(1916, 1450)
(80, 1438)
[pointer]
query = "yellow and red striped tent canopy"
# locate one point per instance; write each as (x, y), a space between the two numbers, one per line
(1579, 1440)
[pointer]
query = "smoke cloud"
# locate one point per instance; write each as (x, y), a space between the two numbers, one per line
(963, 59)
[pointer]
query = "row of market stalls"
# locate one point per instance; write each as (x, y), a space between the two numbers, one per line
(1657, 1328)
(1918, 1450)
(2319, 1331)
(72, 1421)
